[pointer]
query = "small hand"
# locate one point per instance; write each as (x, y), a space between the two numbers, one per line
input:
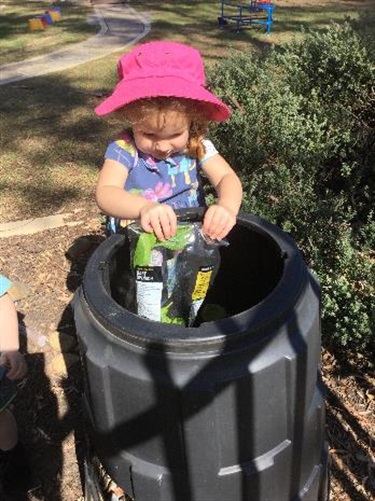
(160, 219)
(15, 363)
(218, 221)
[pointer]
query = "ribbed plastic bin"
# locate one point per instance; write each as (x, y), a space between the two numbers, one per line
(232, 410)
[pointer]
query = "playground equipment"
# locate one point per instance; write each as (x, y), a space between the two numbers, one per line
(42, 21)
(36, 23)
(55, 14)
(247, 13)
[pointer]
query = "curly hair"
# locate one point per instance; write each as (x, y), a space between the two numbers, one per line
(138, 113)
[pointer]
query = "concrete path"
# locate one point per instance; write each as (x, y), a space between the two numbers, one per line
(121, 26)
(35, 225)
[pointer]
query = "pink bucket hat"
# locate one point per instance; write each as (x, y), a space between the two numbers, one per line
(163, 69)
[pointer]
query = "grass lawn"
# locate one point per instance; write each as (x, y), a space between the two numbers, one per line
(52, 143)
(19, 43)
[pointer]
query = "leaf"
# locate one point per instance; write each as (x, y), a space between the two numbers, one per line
(142, 254)
(179, 240)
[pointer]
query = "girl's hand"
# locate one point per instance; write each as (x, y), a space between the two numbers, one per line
(160, 219)
(218, 221)
(15, 362)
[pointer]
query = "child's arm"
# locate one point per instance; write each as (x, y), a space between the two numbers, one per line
(8, 325)
(9, 341)
(220, 218)
(115, 201)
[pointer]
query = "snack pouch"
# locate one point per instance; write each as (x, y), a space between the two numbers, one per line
(172, 277)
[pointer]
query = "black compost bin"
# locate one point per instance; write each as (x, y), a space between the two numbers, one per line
(231, 410)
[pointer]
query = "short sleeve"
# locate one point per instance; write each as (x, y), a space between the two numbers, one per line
(210, 150)
(5, 285)
(122, 151)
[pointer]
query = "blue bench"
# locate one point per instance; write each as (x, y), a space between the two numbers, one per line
(247, 13)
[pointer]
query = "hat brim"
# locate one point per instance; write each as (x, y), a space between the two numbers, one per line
(127, 91)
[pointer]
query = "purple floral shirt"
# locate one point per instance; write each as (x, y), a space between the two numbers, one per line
(174, 181)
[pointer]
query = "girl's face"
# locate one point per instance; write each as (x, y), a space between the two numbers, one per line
(162, 134)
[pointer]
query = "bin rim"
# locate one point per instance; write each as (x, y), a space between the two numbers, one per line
(258, 320)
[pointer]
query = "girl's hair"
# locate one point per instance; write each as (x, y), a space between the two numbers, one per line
(140, 111)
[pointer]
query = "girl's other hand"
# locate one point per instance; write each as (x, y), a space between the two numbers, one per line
(15, 362)
(218, 221)
(160, 219)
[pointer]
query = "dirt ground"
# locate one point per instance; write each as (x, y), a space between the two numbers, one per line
(49, 404)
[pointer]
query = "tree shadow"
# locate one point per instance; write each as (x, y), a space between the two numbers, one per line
(39, 426)
(345, 434)
(72, 384)
(55, 421)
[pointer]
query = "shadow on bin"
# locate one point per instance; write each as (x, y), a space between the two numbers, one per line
(232, 409)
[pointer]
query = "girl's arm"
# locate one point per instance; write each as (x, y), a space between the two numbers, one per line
(115, 201)
(221, 217)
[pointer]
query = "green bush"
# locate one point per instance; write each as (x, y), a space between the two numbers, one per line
(302, 139)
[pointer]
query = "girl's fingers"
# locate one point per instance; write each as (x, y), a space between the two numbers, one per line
(218, 222)
(168, 222)
(160, 219)
(224, 232)
(158, 230)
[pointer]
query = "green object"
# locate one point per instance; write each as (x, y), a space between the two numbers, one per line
(172, 277)
(147, 241)
(167, 319)
(211, 312)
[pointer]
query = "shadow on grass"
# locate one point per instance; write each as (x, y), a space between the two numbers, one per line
(53, 144)
(50, 137)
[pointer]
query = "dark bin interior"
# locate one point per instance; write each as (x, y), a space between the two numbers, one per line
(251, 267)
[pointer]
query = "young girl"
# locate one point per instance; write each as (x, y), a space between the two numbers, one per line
(156, 165)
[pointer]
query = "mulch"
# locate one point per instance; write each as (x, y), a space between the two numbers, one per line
(48, 407)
